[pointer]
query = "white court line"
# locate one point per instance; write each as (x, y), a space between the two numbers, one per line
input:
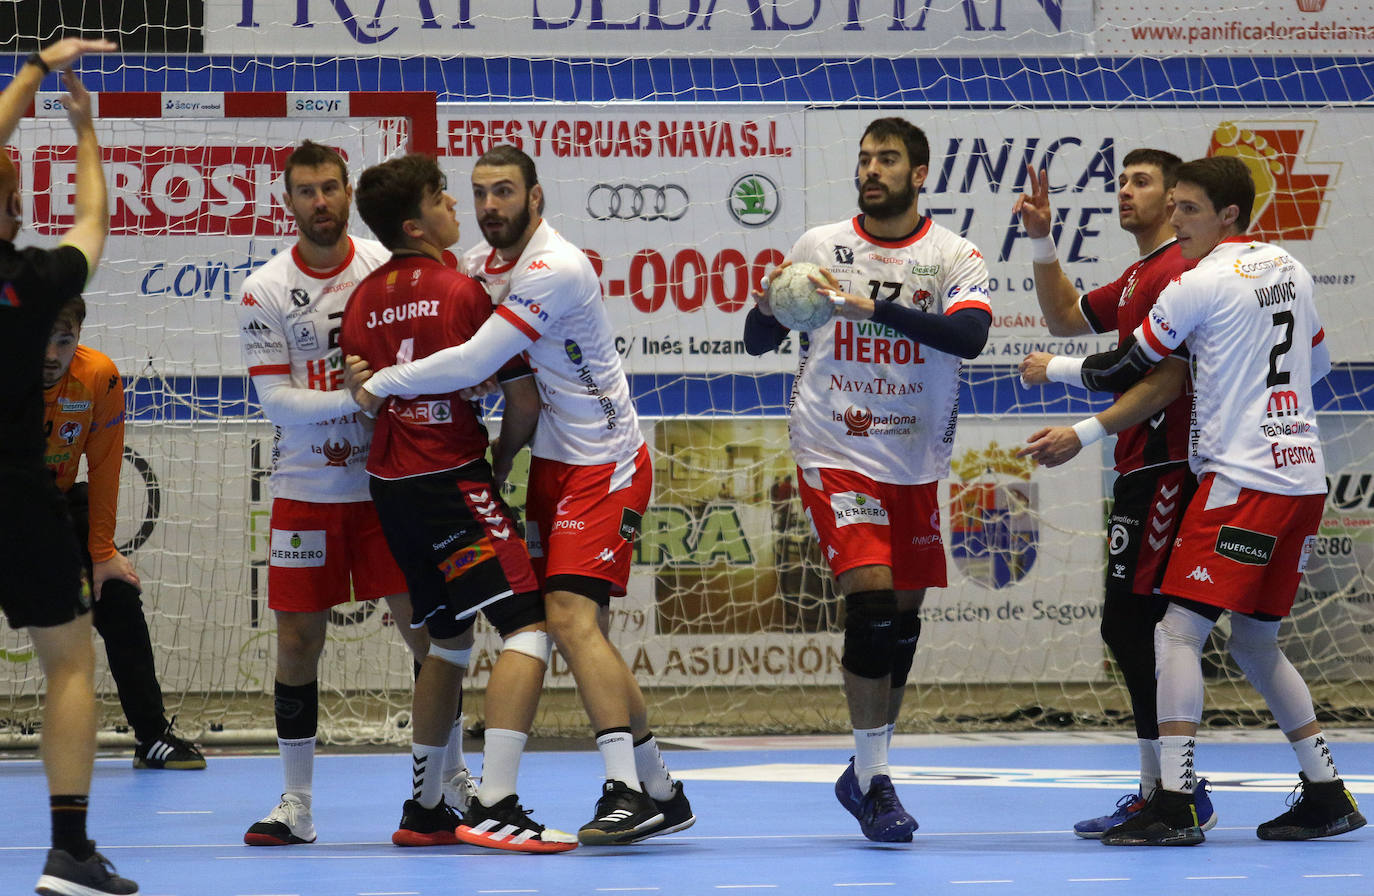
(1221, 877)
(746, 886)
(627, 889)
(1096, 880)
(185, 812)
(390, 893)
(1333, 875)
(885, 883)
(982, 881)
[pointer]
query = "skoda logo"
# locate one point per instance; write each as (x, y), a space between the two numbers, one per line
(642, 202)
(754, 200)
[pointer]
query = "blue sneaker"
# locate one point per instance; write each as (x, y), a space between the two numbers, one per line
(847, 790)
(881, 816)
(1206, 815)
(1126, 807)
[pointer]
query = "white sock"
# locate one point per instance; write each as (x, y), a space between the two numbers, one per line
(618, 753)
(454, 761)
(500, 764)
(1176, 764)
(891, 730)
(652, 771)
(298, 765)
(427, 774)
(1315, 759)
(1149, 766)
(870, 755)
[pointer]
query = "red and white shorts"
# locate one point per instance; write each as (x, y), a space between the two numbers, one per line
(583, 521)
(323, 555)
(861, 522)
(1246, 551)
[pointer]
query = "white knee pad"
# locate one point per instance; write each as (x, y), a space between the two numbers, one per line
(533, 643)
(452, 656)
(1179, 637)
(1254, 644)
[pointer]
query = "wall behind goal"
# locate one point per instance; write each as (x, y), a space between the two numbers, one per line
(685, 173)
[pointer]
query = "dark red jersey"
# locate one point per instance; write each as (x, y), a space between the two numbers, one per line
(1122, 305)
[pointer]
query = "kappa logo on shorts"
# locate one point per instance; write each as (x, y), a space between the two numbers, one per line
(606, 556)
(854, 507)
(1245, 546)
(298, 548)
(1200, 574)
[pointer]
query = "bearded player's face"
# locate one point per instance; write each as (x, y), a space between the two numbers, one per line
(887, 182)
(319, 197)
(502, 203)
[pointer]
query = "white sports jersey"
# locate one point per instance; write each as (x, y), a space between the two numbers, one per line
(289, 319)
(1247, 314)
(551, 294)
(867, 398)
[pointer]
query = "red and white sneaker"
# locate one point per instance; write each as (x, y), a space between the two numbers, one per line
(507, 825)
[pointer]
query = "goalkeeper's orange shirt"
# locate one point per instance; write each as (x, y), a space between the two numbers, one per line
(84, 414)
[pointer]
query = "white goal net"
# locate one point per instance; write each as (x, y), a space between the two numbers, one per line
(685, 146)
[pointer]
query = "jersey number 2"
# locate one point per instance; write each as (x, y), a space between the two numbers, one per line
(1280, 377)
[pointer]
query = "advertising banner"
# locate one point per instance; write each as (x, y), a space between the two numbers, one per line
(1305, 27)
(578, 28)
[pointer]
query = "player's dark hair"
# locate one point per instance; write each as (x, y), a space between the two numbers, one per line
(391, 193)
(313, 155)
(73, 310)
(917, 147)
(505, 154)
(1165, 161)
(1226, 181)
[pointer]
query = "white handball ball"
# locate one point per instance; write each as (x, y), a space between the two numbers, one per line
(797, 303)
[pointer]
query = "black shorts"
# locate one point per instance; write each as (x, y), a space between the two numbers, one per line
(1147, 507)
(39, 550)
(461, 550)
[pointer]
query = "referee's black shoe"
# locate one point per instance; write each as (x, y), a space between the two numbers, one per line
(622, 816)
(63, 875)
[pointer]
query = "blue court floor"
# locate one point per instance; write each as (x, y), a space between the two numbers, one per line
(996, 813)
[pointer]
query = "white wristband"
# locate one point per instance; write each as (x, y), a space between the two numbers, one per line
(1063, 369)
(1043, 251)
(1089, 431)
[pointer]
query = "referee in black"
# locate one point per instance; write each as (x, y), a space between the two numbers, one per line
(50, 595)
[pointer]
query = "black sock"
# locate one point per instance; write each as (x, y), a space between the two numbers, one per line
(69, 825)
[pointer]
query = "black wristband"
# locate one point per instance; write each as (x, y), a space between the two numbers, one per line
(37, 59)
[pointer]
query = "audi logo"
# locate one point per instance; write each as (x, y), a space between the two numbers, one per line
(642, 202)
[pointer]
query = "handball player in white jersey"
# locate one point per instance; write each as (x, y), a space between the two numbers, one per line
(1247, 316)
(590, 476)
(872, 418)
(327, 546)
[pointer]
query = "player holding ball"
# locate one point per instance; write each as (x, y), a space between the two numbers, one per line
(871, 420)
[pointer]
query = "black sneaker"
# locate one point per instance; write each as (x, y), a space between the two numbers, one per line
(622, 815)
(168, 751)
(1168, 819)
(677, 816)
(65, 876)
(507, 825)
(1322, 809)
(427, 827)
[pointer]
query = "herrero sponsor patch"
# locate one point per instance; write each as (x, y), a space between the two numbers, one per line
(1245, 546)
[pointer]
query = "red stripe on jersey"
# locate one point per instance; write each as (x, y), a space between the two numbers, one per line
(519, 324)
(322, 275)
(968, 303)
(495, 264)
(270, 370)
(1321, 334)
(1152, 342)
(892, 244)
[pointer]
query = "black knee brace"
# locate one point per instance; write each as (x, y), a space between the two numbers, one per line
(870, 633)
(908, 633)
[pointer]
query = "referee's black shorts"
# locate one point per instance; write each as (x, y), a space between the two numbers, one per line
(39, 552)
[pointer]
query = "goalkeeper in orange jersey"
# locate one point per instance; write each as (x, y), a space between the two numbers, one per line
(84, 415)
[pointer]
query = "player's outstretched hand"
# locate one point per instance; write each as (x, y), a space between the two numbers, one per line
(1034, 208)
(77, 101)
(1035, 368)
(357, 372)
(69, 49)
(1052, 446)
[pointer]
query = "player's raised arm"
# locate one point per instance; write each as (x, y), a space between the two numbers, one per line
(1053, 290)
